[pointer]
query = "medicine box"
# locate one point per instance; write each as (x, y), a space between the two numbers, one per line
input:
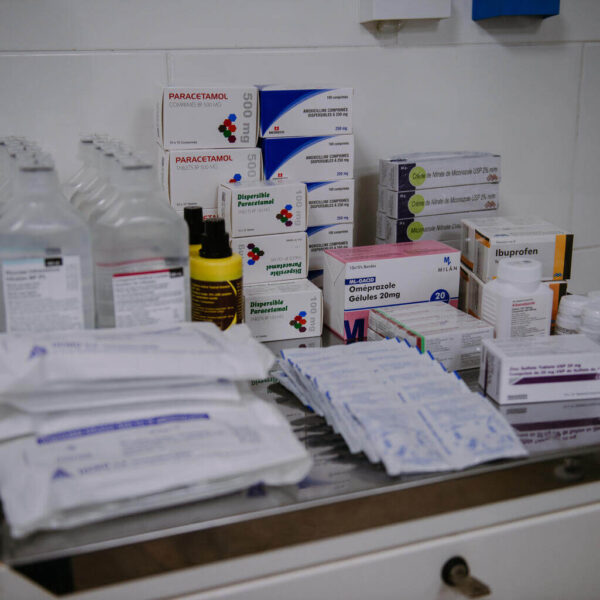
(316, 276)
(327, 237)
(288, 111)
(191, 177)
(356, 280)
(309, 159)
(279, 311)
(207, 117)
(330, 202)
(540, 369)
(262, 208)
(268, 258)
(451, 336)
(438, 201)
(434, 170)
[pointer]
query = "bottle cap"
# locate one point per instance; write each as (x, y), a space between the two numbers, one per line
(520, 270)
(573, 304)
(215, 240)
(591, 315)
(195, 221)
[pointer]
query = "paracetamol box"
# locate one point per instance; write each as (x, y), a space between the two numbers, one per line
(191, 177)
(433, 170)
(280, 311)
(268, 258)
(539, 369)
(207, 117)
(327, 237)
(356, 280)
(288, 111)
(330, 202)
(322, 158)
(263, 208)
(438, 201)
(451, 336)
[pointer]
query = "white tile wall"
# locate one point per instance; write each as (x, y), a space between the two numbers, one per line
(526, 88)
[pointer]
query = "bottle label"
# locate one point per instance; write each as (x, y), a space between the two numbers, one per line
(529, 317)
(42, 294)
(149, 297)
(217, 301)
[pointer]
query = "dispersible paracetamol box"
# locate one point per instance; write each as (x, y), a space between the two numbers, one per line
(356, 280)
(207, 117)
(327, 237)
(191, 177)
(280, 311)
(287, 111)
(438, 201)
(330, 202)
(540, 369)
(268, 258)
(433, 170)
(309, 159)
(263, 208)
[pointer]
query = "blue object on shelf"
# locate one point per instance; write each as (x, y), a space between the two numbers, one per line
(486, 9)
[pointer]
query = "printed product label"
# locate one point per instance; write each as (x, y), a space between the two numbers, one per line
(42, 294)
(217, 301)
(528, 318)
(149, 297)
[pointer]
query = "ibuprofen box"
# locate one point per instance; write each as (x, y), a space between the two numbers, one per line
(207, 117)
(327, 237)
(263, 208)
(356, 280)
(330, 202)
(268, 258)
(281, 311)
(434, 170)
(288, 111)
(191, 177)
(309, 159)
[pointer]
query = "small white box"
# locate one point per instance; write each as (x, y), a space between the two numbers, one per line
(207, 117)
(288, 111)
(263, 208)
(192, 177)
(309, 159)
(330, 202)
(539, 369)
(268, 258)
(327, 237)
(281, 311)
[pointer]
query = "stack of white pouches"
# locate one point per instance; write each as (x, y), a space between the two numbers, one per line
(100, 423)
(424, 196)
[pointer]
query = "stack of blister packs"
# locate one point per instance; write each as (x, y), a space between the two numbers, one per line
(97, 424)
(398, 406)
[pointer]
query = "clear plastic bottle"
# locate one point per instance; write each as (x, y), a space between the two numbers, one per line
(141, 262)
(516, 303)
(95, 176)
(85, 173)
(46, 281)
(568, 318)
(105, 190)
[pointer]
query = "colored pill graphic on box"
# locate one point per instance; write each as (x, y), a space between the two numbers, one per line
(227, 128)
(285, 215)
(254, 254)
(236, 178)
(299, 321)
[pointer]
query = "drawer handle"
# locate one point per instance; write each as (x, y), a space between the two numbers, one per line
(455, 573)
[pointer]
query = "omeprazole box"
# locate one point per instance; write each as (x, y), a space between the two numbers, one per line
(263, 208)
(327, 237)
(538, 369)
(438, 201)
(269, 258)
(207, 117)
(356, 280)
(280, 311)
(330, 202)
(433, 170)
(191, 177)
(309, 159)
(287, 111)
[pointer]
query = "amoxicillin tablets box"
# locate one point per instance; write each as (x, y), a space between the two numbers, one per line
(288, 111)
(207, 117)
(327, 237)
(356, 280)
(330, 202)
(309, 159)
(281, 311)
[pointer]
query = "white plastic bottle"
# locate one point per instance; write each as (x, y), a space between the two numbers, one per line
(568, 318)
(516, 303)
(590, 321)
(141, 261)
(46, 279)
